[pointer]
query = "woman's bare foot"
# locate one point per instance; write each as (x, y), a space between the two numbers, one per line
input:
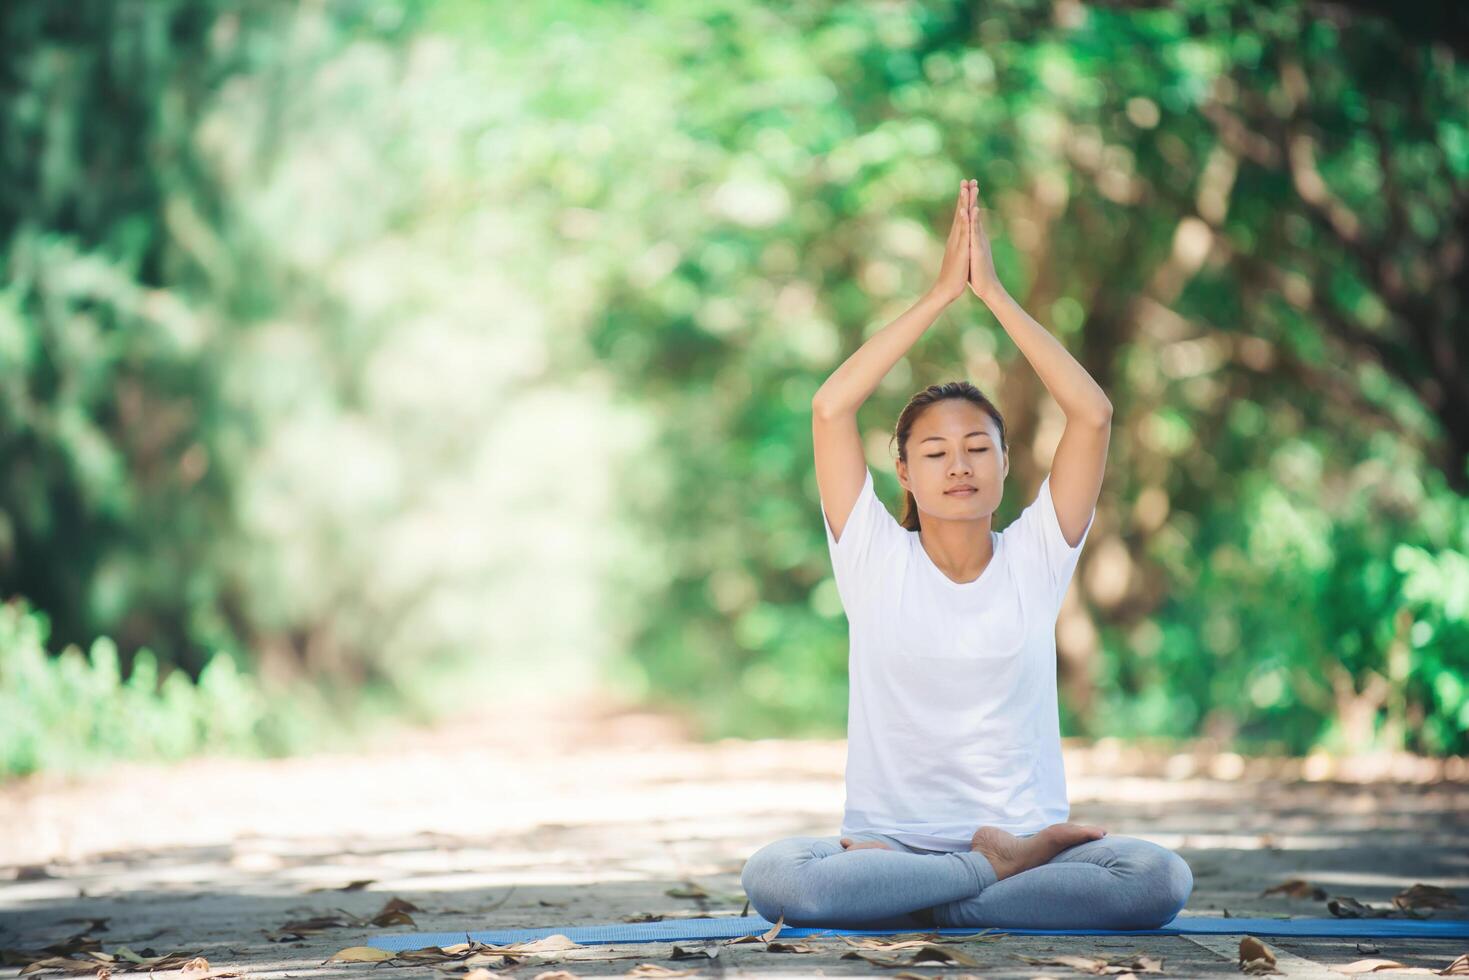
(847, 844)
(1011, 855)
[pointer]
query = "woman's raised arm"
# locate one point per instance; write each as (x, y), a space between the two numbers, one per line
(1081, 456)
(841, 467)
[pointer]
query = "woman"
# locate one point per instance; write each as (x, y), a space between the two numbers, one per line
(956, 796)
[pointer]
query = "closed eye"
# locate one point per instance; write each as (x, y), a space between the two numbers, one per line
(981, 449)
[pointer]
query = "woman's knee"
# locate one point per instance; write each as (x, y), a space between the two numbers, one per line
(1177, 884)
(1162, 884)
(772, 877)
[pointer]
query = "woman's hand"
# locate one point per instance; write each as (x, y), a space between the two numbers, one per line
(954, 272)
(982, 278)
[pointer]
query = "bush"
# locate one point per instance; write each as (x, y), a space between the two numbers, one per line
(74, 713)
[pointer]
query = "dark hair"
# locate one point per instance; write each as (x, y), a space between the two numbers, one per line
(915, 408)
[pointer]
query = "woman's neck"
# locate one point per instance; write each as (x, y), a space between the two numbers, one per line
(962, 550)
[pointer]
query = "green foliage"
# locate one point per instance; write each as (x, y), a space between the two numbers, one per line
(380, 341)
(74, 713)
(1291, 628)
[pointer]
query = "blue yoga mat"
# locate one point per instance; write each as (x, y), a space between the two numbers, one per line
(731, 927)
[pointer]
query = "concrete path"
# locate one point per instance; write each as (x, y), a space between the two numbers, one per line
(580, 813)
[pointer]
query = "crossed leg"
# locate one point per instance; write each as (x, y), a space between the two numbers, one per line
(814, 881)
(1113, 883)
(1116, 882)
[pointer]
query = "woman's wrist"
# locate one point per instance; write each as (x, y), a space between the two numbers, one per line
(936, 296)
(990, 295)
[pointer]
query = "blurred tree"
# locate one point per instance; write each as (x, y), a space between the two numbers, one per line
(118, 466)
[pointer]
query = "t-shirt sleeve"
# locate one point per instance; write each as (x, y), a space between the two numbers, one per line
(869, 539)
(1037, 533)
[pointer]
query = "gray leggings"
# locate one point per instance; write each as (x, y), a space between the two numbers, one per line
(1113, 883)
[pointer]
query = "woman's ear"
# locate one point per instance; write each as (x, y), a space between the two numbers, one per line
(902, 469)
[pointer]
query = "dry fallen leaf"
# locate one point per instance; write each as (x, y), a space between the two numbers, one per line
(791, 948)
(298, 929)
(393, 919)
(898, 942)
(1378, 966)
(65, 947)
(552, 975)
(891, 962)
(1422, 896)
(68, 965)
(434, 954)
(938, 954)
(480, 973)
(987, 935)
(198, 968)
(480, 956)
(1458, 968)
(546, 944)
(690, 890)
(654, 970)
(1346, 907)
(879, 942)
(166, 962)
(395, 912)
(924, 954)
(498, 961)
(774, 930)
(359, 954)
(354, 886)
(1100, 965)
(708, 950)
(1297, 888)
(396, 904)
(1256, 957)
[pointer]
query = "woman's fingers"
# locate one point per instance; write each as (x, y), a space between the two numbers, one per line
(974, 247)
(964, 213)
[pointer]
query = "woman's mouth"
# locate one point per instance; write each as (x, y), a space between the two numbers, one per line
(966, 492)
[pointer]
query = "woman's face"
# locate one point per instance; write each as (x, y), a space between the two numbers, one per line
(955, 443)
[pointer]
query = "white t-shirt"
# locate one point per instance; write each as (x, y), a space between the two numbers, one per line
(952, 720)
